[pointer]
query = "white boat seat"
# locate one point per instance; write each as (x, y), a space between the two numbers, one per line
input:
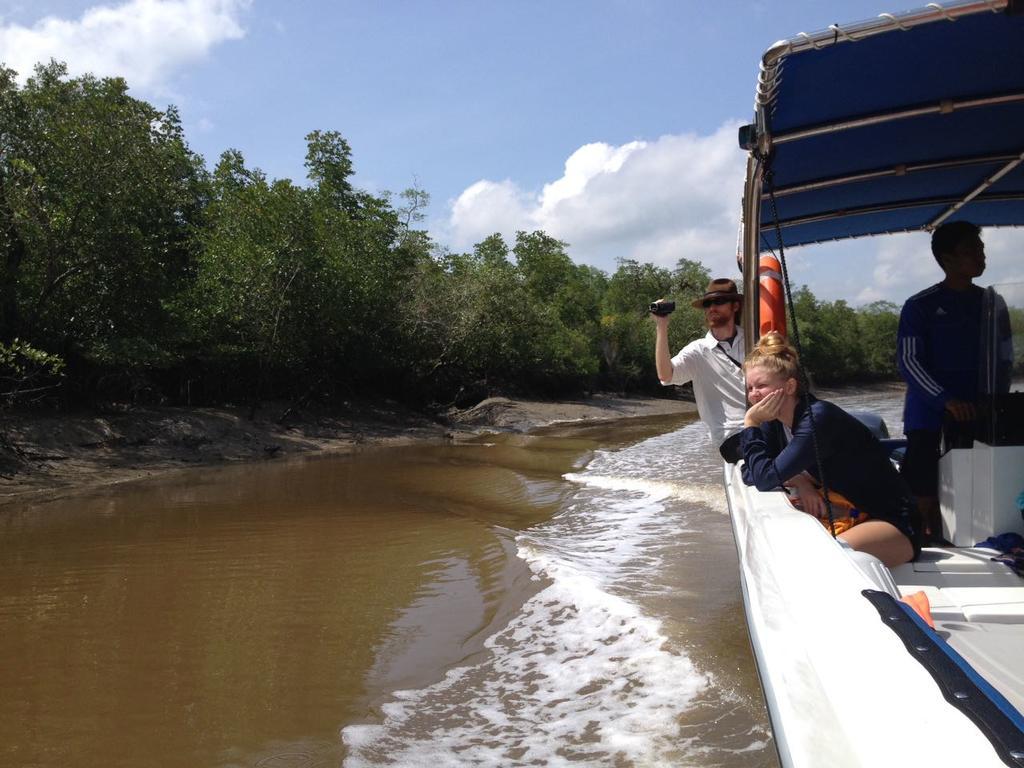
(959, 560)
(965, 585)
(978, 607)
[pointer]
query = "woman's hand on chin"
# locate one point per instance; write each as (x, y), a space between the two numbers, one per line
(766, 409)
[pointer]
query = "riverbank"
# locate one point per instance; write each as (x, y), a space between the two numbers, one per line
(45, 453)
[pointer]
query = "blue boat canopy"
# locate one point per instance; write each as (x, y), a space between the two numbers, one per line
(892, 125)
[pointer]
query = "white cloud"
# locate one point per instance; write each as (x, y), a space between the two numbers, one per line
(679, 197)
(894, 267)
(144, 41)
(584, 164)
(658, 201)
(487, 207)
(904, 265)
(1004, 256)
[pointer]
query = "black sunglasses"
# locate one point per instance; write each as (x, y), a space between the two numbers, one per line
(717, 302)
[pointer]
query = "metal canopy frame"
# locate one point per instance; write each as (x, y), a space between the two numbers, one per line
(897, 170)
(760, 140)
(973, 194)
(953, 204)
(942, 108)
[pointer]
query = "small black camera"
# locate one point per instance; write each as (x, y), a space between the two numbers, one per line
(663, 308)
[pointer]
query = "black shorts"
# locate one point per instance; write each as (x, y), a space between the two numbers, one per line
(902, 518)
(920, 467)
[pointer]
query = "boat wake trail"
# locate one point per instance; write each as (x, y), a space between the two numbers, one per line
(710, 495)
(577, 676)
(581, 674)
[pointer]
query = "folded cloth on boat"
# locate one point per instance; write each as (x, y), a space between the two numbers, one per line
(1004, 542)
(1015, 561)
(1011, 545)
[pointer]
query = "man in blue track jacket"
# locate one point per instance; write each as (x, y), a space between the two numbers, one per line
(937, 354)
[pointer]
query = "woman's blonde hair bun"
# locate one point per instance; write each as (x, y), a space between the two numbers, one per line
(774, 353)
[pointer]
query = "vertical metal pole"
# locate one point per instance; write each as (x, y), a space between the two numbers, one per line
(751, 250)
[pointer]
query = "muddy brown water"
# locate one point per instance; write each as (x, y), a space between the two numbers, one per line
(566, 596)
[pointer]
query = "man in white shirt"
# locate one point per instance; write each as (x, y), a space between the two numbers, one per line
(713, 363)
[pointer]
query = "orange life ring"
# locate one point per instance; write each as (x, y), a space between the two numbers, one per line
(772, 296)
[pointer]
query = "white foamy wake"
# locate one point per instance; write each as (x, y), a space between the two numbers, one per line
(709, 495)
(580, 676)
(577, 676)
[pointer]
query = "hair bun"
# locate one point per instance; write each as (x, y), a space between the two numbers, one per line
(773, 353)
(774, 344)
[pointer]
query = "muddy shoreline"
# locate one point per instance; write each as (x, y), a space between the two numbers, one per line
(58, 453)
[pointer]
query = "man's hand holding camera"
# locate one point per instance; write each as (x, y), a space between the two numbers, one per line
(662, 308)
(660, 311)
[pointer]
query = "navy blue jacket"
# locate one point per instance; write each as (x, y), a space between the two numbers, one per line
(937, 352)
(856, 465)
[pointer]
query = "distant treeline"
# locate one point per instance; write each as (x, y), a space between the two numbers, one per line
(129, 271)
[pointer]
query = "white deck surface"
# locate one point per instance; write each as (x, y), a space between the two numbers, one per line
(978, 607)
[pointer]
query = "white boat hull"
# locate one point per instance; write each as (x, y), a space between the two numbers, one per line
(840, 686)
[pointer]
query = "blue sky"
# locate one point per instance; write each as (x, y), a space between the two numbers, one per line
(608, 123)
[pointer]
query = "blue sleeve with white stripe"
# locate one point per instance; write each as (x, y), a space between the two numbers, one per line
(914, 358)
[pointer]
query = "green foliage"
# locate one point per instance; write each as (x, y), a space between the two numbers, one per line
(410, 213)
(483, 322)
(127, 269)
(329, 164)
(828, 331)
(877, 324)
(627, 333)
(26, 371)
(99, 192)
(565, 299)
(293, 279)
(256, 268)
(689, 281)
(627, 337)
(842, 345)
(1012, 327)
